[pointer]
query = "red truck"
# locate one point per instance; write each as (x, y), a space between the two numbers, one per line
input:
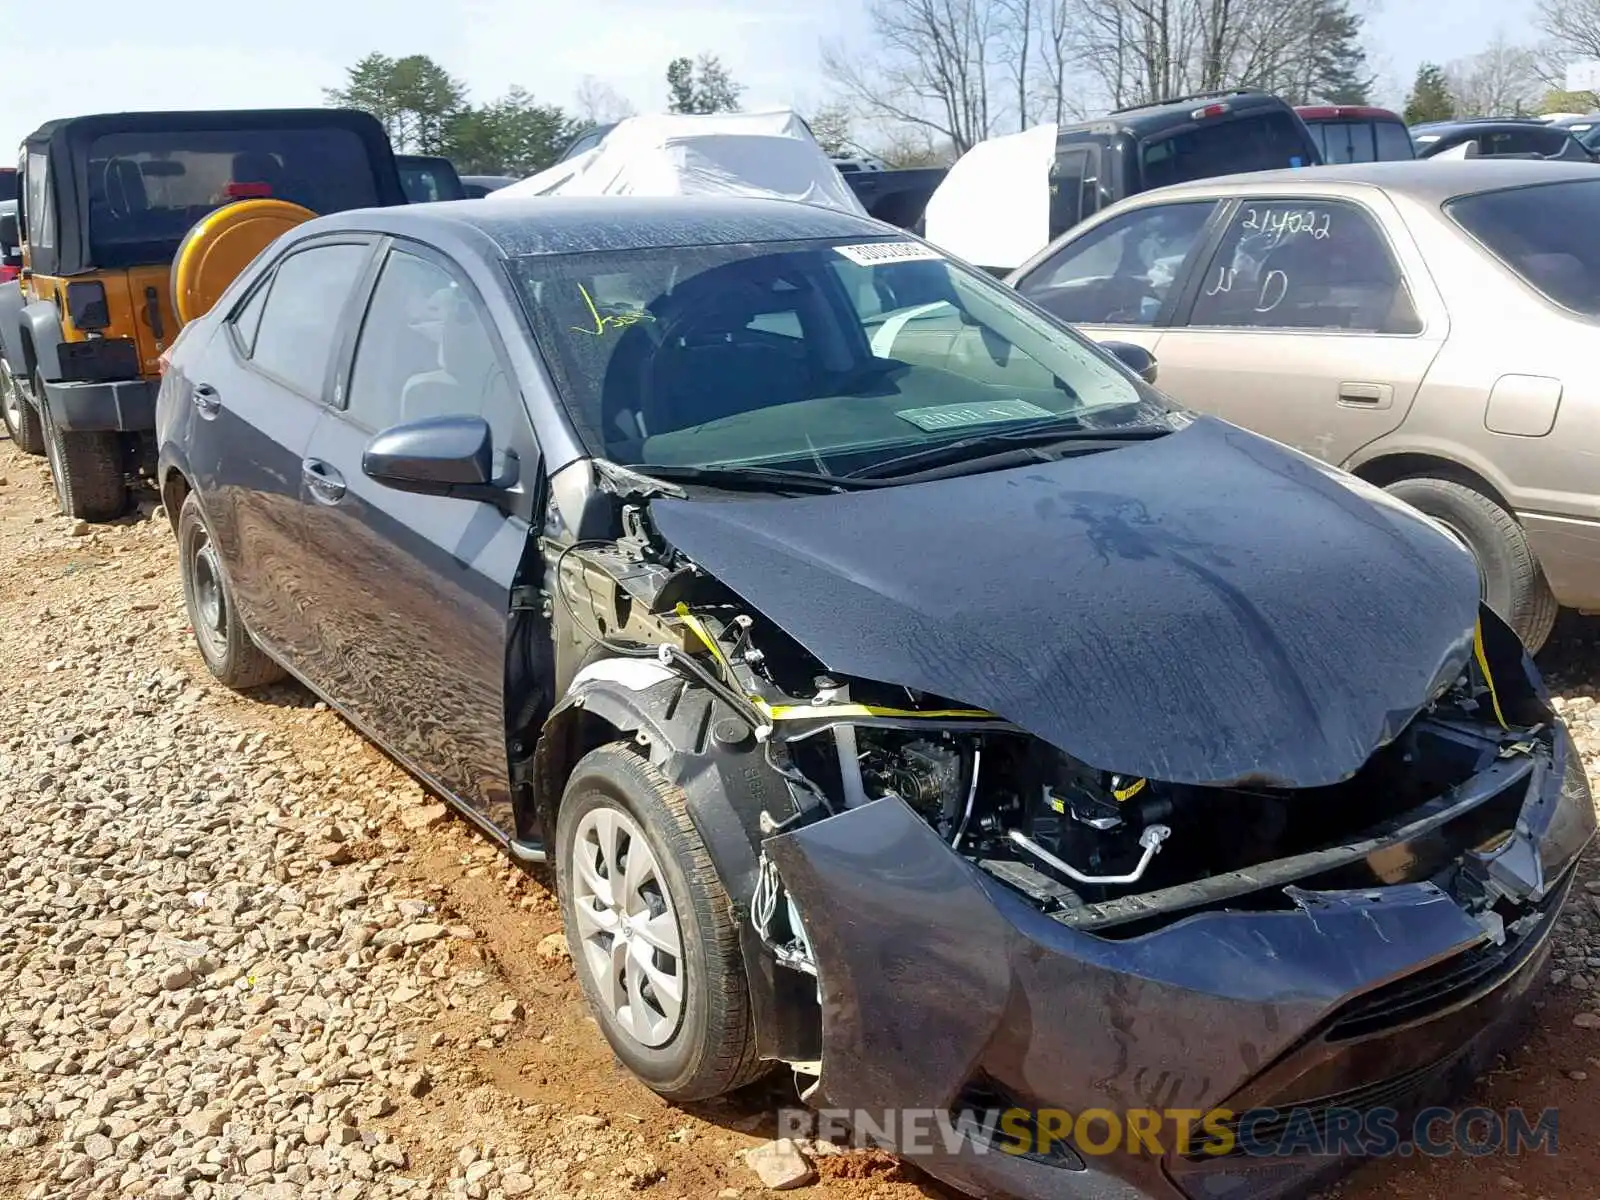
(1347, 133)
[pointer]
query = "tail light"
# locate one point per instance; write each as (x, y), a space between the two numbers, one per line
(247, 191)
(1210, 110)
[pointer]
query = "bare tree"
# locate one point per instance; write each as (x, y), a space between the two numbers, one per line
(1058, 60)
(932, 67)
(1016, 25)
(1500, 80)
(598, 103)
(1572, 28)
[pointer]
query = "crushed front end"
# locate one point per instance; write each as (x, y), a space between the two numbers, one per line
(947, 911)
(995, 926)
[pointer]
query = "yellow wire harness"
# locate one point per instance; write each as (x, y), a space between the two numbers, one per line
(816, 712)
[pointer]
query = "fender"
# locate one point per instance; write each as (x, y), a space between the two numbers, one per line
(42, 322)
(697, 742)
(11, 325)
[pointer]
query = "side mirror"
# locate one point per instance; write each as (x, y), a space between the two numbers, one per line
(1136, 358)
(439, 456)
(10, 235)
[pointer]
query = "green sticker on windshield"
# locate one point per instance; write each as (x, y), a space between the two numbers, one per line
(959, 416)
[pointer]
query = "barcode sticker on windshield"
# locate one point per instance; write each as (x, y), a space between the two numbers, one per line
(870, 254)
(959, 416)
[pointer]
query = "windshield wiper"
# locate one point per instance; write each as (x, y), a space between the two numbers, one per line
(977, 448)
(752, 478)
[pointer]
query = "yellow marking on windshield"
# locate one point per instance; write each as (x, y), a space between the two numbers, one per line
(603, 322)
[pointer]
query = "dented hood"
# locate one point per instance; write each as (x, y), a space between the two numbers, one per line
(1208, 607)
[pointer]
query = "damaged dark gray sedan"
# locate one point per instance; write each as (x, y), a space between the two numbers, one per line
(901, 687)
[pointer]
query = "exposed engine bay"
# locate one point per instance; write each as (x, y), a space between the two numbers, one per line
(1092, 848)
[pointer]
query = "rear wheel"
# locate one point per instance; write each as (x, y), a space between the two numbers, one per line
(230, 653)
(652, 931)
(21, 418)
(86, 467)
(1511, 581)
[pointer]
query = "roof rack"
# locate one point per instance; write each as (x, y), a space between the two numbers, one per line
(1185, 99)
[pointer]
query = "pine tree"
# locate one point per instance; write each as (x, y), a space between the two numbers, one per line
(1339, 69)
(1430, 98)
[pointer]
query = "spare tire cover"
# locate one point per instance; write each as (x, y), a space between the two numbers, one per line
(221, 244)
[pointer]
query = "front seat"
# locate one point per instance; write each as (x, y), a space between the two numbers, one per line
(467, 378)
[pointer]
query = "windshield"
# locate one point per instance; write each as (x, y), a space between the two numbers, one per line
(147, 188)
(1258, 142)
(818, 355)
(1543, 234)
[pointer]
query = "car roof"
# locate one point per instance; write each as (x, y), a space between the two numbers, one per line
(199, 119)
(1428, 180)
(1483, 123)
(1344, 112)
(575, 224)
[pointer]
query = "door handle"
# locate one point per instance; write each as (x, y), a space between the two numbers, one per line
(206, 399)
(326, 484)
(1366, 395)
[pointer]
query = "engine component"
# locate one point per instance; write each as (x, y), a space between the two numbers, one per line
(925, 774)
(1151, 839)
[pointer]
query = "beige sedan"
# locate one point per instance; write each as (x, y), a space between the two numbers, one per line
(1433, 327)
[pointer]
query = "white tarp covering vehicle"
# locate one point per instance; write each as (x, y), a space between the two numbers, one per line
(993, 208)
(768, 153)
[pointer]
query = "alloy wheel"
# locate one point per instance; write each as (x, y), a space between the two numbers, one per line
(630, 941)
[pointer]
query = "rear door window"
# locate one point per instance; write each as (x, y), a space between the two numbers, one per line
(1306, 264)
(1122, 272)
(1262, 141)
(39, 214)
(301, 321)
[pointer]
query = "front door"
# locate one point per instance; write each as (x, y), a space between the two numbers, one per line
(1120, 279)
(251, 401)
(1305, 326)
(413, 593)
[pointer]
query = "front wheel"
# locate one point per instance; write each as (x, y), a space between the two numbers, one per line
(1511, 582)
(226, 645)
(653, 935)
(21, 418)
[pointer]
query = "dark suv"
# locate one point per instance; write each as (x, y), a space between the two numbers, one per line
(1189, 137)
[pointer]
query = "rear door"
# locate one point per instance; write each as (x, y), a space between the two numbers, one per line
(1313, 322)
(1120, 279)
(413, 593)
(254, 395)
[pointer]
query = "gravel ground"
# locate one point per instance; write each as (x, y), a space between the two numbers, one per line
(243, 955)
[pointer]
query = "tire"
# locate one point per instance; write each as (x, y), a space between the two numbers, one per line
(230, 653)
(1512, 582)
(708, 1048)
(85, 467)
(21, 418)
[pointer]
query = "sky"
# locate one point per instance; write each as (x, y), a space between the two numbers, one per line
(180, 54)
